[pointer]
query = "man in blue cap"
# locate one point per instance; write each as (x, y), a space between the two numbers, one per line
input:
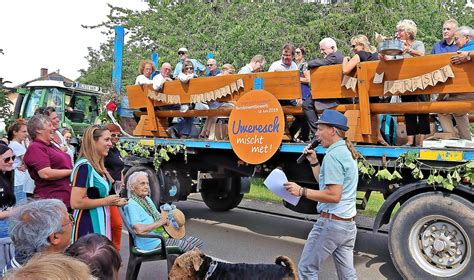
(335, 231)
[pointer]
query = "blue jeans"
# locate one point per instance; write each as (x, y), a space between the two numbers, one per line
(329, 237)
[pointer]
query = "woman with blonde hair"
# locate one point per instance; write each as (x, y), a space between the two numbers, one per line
(146, 69)
(415, 123)
(363, 51)
(91, 185)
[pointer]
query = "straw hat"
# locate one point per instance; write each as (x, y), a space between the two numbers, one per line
(179, 220)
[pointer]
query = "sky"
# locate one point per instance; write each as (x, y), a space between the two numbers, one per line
(48, 34)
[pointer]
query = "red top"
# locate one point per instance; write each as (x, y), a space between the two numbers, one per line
(41, 155)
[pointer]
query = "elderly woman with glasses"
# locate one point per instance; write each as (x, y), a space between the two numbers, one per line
(145, 218)
(48, 165)
(92, 185)
(415, 123)
(146, 69)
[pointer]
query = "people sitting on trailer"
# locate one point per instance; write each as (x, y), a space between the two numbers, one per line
(185, 125)
(211, 120)
(146, 68)
(363, 51)
(416, 124)
(183, 56)
(464, 40)
(256, 65)
(331, 55)
(145, 218)
(212, 69)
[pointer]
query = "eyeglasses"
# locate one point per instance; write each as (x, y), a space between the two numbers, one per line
(71, 220)
(188, 68)
(12, 158)
(400, 30)
(114, 135)
(180, 53)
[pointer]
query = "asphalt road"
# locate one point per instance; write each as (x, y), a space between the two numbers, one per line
(252, 237)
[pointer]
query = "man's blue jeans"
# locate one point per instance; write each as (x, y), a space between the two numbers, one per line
(329, 237)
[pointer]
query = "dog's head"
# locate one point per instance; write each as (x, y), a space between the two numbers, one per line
(186, 265)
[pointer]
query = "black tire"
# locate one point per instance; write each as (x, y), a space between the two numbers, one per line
(428, 232)
(221, 194)
(155, 192)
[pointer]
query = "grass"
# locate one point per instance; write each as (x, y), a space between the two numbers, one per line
(258, 191)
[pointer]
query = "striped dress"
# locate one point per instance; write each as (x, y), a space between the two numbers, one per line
(94, 220)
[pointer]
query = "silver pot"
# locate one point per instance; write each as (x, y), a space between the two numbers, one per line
(391, 47)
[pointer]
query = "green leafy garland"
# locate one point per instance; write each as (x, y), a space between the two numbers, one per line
(448, 177)
(160, 152)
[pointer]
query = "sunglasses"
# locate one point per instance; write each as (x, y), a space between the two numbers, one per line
(180, 53)
(298, 52)
(115, 135)
(210, 65)
(353, 46)
(6, 160)
(188, 68)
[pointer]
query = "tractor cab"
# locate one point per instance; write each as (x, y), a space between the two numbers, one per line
(77, 105)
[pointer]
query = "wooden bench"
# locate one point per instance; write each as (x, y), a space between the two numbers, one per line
(325, 83)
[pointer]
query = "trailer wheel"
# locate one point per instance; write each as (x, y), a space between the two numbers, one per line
(155, 193)
(431, 237)
(221, 194)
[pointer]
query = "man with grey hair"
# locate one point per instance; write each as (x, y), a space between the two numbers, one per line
(38, 226)
(447, 44)
(328, 48)
(212, 69)
(256, 65)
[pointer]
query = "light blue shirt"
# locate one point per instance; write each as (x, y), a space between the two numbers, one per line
(138, 216)
(196, 64)
(280, 66)
(246, 69)
(339, 168)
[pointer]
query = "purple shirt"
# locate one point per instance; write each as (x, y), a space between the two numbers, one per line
(40, 155)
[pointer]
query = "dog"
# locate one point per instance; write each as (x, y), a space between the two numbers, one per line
(195, 265)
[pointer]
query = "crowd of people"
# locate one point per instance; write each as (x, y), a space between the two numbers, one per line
(455, 38)
(52, 201)
(62, 210)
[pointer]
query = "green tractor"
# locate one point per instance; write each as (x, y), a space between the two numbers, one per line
(77, 105)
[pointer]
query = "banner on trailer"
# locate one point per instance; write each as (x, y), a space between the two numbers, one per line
(256, 126)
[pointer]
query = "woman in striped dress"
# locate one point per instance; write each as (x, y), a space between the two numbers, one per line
(91, 185)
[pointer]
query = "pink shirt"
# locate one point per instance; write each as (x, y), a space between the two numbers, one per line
(40, 155)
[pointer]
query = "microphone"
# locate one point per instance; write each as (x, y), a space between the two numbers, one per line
(313, 145)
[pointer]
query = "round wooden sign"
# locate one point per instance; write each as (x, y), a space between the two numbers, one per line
(256, 126)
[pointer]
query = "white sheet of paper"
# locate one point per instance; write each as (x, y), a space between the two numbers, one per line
(274, 183)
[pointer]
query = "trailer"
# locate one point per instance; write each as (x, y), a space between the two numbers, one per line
(428, 191)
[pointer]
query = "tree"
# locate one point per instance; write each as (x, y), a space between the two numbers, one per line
(235, 32)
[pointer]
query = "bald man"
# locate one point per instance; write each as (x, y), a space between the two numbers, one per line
(165, 75)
